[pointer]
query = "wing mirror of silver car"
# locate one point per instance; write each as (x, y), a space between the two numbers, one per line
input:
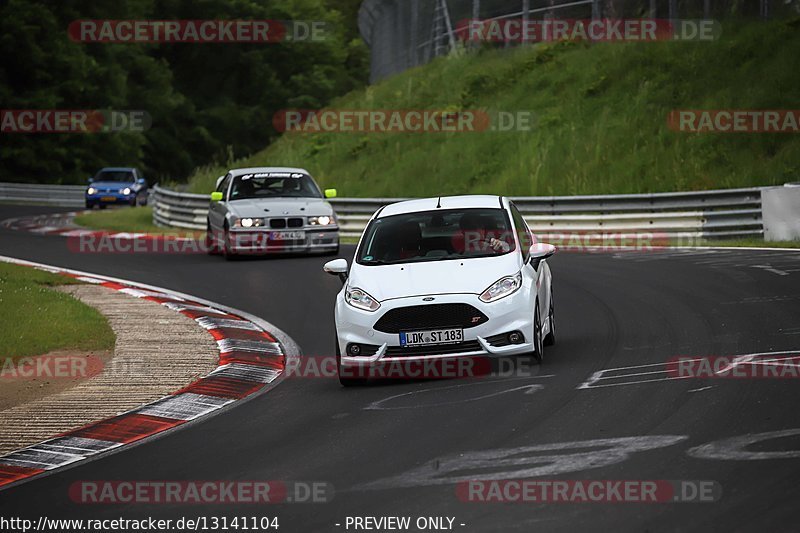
(337, 267)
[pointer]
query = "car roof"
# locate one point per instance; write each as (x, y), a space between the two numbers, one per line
(117, 169)
(472, 201)
(254, 170)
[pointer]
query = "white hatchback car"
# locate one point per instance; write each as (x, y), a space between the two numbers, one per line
(435, 278)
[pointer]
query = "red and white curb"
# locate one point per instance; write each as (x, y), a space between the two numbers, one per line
(253, 357)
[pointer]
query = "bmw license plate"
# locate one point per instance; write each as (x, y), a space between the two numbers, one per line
(287, 236)
(434, 336)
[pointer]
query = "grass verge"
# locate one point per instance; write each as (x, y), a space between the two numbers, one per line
(134, 220)
(35, 319)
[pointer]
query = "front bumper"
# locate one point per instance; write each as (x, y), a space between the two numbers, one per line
(261, 242)
(513, 313)
(110, 198)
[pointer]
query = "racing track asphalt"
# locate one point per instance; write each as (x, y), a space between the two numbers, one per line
(613, 310)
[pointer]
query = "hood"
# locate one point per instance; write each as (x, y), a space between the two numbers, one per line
(111, 184)
(280, 207)
(471, 276)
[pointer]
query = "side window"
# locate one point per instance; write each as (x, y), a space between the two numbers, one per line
(524, 234)
(223, 185)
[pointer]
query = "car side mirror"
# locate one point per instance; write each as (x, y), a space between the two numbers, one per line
(330, 193)
(90, 180)
(541, 251)
(337, 267)
(141, 181)
(216, 196)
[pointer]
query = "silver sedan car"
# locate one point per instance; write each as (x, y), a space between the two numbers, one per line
(270, 209)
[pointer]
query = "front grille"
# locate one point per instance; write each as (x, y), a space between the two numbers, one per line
(280, 223)
(434, 316)
(442, 349)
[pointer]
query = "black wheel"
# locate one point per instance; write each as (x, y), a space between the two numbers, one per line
(101, 206)
(346, 381)
(89, 205)
(538, 347)
(133, 202)
(550, 338)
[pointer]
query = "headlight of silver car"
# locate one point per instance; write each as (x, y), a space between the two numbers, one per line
(248, 222)
(324, 220)
(360, 299)
(502, 288)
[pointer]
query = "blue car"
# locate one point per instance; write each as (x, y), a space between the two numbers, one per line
(116, 185)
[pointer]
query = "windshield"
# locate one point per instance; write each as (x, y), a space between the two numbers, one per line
(274, 185)
(125, 176)
(436, 235)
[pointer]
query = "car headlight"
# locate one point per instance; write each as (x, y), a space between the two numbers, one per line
(126, 191)
(248, 222)
(360, 299)
(502, 288)
(324, 220)
(91, 190)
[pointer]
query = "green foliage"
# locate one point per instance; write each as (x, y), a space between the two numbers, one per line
(202, 98)
(601, 121)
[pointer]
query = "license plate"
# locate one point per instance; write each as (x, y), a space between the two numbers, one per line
(108, 198)
(434, 336)
(287, 236)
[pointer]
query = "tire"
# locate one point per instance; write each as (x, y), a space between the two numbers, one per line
(538, 346)
(89, 205)
(550, 338)
(133, 202)
(102, 206)
(343, 380)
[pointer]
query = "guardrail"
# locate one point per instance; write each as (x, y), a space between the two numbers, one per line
(727, 213)
(62, 195)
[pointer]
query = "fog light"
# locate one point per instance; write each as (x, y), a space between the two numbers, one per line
(353, 349)
(515, 337)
